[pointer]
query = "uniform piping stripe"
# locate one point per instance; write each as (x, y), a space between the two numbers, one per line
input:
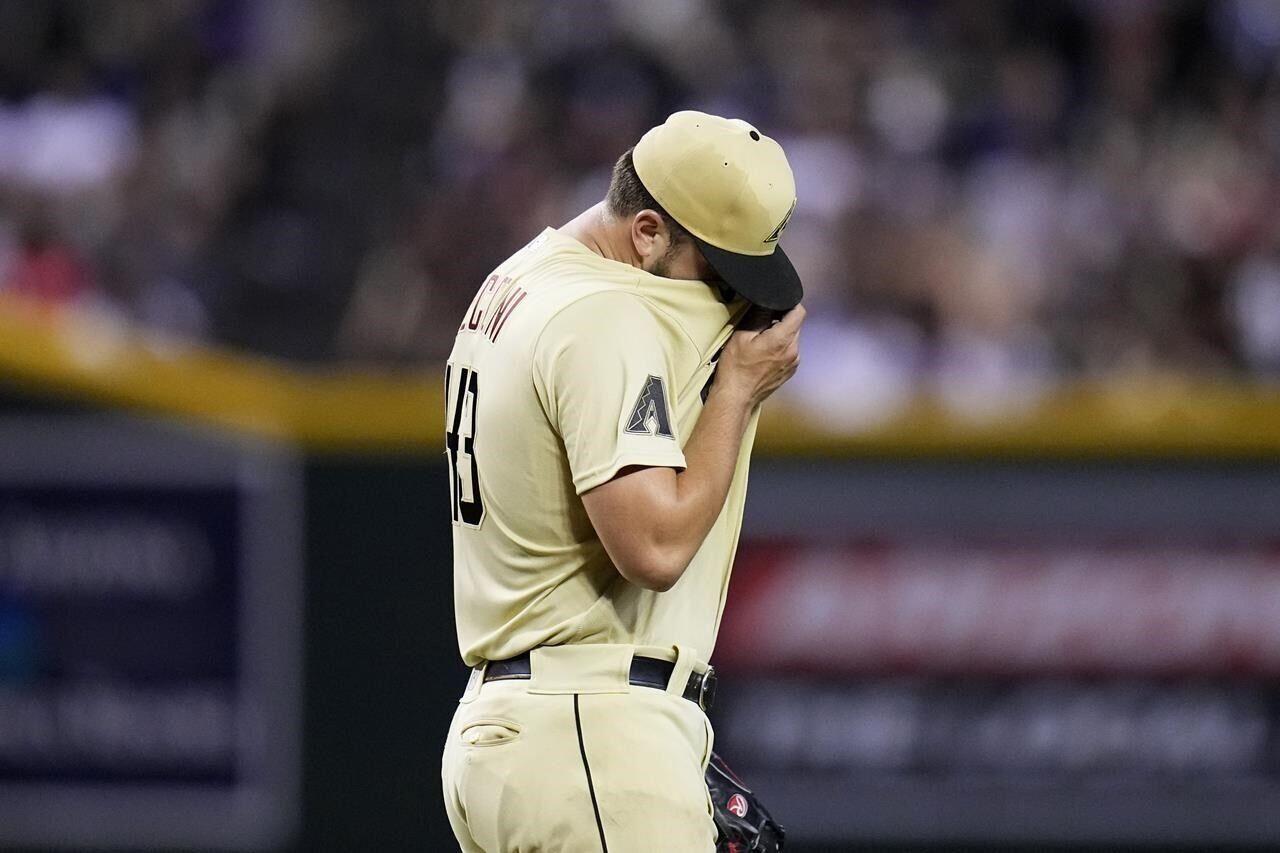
(591, 788)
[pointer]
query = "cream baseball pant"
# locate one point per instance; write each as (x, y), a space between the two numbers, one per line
(576, 759)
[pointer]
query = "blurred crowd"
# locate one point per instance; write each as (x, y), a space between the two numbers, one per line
(994, 195)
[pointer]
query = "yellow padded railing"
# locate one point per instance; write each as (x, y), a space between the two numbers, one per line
(80, 356)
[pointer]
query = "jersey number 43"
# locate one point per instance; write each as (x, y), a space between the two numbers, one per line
(460, 444)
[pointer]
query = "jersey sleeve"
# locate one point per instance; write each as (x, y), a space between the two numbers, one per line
(603, 370)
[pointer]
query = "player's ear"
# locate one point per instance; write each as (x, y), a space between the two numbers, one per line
(649, 234)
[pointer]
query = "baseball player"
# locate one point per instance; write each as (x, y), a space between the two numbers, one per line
(601, 406)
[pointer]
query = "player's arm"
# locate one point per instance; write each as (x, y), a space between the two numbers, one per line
(652, 520)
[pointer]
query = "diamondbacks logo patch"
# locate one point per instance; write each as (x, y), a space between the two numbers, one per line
(737, 805)
(649, 416)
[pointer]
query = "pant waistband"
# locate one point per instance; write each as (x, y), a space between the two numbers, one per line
(644, 672)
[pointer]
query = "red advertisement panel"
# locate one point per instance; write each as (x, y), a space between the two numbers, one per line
(976, 609)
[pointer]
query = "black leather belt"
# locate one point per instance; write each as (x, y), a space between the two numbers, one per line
(645, 672)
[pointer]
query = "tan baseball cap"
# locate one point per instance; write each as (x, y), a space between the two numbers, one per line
(729, 186)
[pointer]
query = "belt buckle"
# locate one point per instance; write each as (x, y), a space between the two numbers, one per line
(707, 689)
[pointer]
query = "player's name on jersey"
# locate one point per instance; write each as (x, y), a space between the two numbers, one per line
(494, 302)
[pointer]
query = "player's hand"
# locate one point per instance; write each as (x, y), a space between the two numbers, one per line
(754, 364)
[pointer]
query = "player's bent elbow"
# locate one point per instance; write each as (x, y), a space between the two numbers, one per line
(655, 570)
(654, 581)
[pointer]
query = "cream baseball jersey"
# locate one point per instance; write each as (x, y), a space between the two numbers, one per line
(567, 368)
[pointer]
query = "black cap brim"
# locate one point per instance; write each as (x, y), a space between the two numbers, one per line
(769, 281)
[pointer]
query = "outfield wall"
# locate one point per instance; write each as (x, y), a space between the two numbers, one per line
(1055, 630)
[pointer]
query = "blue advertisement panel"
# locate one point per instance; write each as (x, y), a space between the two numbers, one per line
(149, 638)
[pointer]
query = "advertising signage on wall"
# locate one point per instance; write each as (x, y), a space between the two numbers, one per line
(149, 638)
(968, 609)
(977, 692)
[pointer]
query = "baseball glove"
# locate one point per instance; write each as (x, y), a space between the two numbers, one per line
(745, 826)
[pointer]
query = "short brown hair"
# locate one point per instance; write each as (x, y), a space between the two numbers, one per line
(627, 196)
